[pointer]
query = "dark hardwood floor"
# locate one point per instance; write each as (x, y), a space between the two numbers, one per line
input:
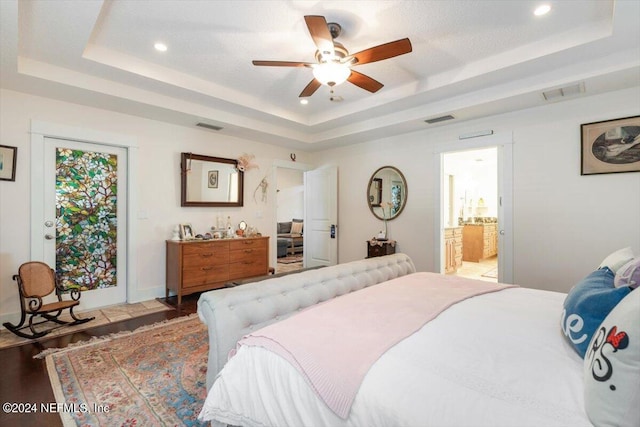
(25, 379)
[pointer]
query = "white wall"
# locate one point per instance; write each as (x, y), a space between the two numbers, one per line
(564, 223)
(290, 194)
(158, 177)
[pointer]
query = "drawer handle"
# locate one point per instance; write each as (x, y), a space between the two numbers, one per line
(206, 255)
(207, 268)
(248, 251)
(248, 242)
(248, 262)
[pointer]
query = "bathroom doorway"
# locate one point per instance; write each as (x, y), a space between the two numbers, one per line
(470, 202)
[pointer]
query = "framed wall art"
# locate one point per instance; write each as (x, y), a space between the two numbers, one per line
(610, 146)
(213, 179)
(8, 157)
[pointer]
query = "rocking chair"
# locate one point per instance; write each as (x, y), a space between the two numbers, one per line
(35, 281)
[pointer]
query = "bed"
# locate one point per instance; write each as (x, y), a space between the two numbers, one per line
(494, 358)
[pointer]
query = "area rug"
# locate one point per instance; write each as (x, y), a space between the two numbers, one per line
(103, 316)
(290, 259)
(153, 376)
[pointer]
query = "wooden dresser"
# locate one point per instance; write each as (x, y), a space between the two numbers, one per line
(453, 249)
(202, 265)
(479, 241)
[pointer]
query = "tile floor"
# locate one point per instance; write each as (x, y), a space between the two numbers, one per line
(114, 313)
(479, 270)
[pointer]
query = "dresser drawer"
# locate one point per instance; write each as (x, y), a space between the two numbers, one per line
(198, 276)
(247, 254)
(237, 244)
(196, 255)
(251, 267)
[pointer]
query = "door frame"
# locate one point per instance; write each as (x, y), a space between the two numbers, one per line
(504, 142)
(40, 131)
(284, 164)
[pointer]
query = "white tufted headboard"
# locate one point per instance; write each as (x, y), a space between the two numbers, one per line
(232, 313)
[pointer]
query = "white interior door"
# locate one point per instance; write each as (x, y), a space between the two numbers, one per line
(321, 217)
(84, 218)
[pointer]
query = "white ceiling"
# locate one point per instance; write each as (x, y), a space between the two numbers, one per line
(469, 59)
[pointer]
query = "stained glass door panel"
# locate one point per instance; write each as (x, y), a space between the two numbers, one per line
(85, 204)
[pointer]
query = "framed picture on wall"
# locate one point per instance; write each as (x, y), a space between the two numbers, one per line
(610, 146)
(8, 157)
(213, 179)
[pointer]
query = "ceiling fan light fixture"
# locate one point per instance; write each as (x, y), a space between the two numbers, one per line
(331, 73)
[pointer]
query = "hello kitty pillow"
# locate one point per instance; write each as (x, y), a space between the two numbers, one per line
(612, 367)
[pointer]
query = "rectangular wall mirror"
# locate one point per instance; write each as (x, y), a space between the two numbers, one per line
(210, 181)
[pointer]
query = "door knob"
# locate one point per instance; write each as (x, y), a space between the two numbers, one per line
(48, 223)
(502, 232)
(49, 237)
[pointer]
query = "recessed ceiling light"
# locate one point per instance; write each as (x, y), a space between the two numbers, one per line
(542, 10)
(160, 47)
(304, 101)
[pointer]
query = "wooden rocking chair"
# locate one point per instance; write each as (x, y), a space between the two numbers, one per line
(35, 281)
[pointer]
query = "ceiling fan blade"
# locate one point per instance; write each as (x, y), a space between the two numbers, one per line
(365, 82)
(310, 89)
(281, 63)
(383, 51)
(320, 34)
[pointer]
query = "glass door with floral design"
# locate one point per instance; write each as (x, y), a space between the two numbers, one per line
(85, 218)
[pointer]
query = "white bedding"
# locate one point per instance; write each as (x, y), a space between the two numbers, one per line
(494, 360)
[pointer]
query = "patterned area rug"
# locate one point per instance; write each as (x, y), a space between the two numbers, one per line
(153, 376)
(290, 259)
(114, 313)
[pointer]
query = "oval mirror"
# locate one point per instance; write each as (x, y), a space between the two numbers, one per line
(387, 193)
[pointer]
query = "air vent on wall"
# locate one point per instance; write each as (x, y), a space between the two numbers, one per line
(208, 126)
(562, 92)
(440, 119)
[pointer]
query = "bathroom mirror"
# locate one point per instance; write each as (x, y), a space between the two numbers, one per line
(210, 181)
(387, 193)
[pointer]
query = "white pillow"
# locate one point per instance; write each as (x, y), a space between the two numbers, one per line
(628, 274)
(617, 259)
(612, 367)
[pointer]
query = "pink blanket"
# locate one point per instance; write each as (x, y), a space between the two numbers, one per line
(334, 344)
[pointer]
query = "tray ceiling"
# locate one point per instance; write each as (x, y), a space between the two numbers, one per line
(469, 59)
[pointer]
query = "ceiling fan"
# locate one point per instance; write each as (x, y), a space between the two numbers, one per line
(334, 61)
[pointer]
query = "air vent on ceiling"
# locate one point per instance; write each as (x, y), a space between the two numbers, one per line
(562, 92)
(440, 119)
(208, 126)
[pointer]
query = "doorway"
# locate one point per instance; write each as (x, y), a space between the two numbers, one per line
(503, 144)
(470, 202)
(81, 203)
(289, 215)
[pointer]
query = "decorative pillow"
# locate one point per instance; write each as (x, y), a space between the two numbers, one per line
(612, 367)
(284, 227)
(296, 228)
(617, 259)
(628, 274)
(586, 306)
